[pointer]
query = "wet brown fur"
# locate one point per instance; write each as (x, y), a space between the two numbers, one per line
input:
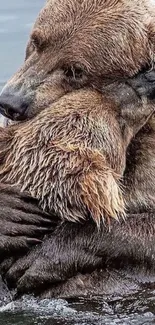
(72, 156)
(88, 42)
(53, 61)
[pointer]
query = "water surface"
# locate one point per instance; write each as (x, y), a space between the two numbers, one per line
(16, 20)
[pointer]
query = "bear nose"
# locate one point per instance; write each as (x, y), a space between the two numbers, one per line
(13, 106)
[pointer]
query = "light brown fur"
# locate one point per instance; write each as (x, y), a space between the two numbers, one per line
(63, 159)
(81, 43)
(71, 157)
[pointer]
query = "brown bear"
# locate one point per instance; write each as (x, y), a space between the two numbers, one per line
(59, 59)
(66, 54)
(71, 157)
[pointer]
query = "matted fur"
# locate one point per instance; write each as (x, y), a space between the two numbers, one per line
(71, 157)
(66, 160)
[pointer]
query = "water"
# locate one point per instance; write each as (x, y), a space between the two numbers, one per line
(16, 19)
(135, 309)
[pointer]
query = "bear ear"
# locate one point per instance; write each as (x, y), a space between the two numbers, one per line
(101, 192)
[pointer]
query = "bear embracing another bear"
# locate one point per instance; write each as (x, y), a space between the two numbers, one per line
(71, 157)
(101, 47)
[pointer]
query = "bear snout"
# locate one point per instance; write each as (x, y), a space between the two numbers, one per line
(13, 104)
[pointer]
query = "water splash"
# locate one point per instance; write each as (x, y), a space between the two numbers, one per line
(133, 309)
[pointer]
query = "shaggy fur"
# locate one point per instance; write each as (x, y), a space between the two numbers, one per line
(71, 158)
(106, 40)
(68, 157)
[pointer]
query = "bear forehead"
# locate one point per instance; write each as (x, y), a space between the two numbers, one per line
(63, 18)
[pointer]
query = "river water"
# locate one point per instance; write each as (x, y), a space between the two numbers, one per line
(16, 19)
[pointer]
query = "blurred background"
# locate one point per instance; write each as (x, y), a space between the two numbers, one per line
(16, 20)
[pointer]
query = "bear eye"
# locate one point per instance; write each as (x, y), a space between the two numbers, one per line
(37, 41)
(74, 73)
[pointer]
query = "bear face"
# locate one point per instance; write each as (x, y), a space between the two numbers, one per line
(79, 43)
